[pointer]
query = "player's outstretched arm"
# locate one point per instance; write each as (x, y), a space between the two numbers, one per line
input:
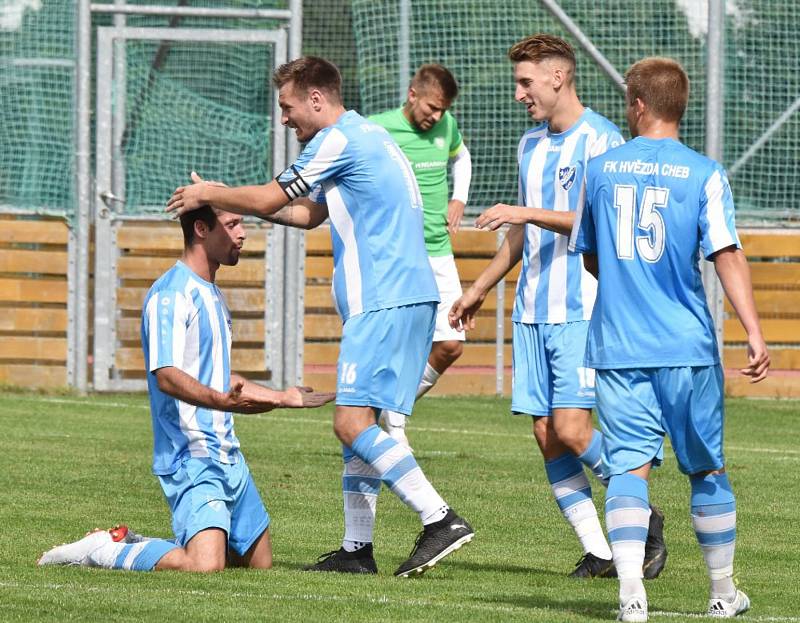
(502, 213)
(243, 396)
(258, 201)
(734, 273)
(462, 314)
(303, 213)
(291, 398)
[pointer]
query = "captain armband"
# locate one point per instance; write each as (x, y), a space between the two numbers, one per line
(292, 183)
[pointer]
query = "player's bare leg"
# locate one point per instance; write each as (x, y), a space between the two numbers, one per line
(205, 552)
(259, 556)
(443, 355)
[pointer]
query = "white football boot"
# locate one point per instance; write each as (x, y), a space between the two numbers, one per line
(96, 549)
(634, 610)
(721, 609)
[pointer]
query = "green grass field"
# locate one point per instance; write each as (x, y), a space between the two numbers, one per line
(71, 464)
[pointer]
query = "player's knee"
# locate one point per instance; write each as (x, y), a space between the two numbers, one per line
(207, 564)
(443, 354)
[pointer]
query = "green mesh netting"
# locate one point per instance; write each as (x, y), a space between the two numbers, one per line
(472, 38)
(227, 88)
(37, 140)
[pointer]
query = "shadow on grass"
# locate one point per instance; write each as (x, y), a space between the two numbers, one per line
(503, 568)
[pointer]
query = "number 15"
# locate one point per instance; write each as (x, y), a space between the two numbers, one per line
(651, 245)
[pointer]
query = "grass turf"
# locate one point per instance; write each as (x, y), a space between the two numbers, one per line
(72, 464)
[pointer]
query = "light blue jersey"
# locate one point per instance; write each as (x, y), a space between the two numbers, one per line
(375, 210)
(186, 324)
(553, 286)
(650, 206)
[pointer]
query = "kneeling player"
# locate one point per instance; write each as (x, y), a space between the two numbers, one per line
(217, 513)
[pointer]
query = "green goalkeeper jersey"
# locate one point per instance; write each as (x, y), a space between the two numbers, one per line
(429, 152)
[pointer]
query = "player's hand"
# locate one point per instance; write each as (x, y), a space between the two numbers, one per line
(500, 214)
(455, 212)
(188, 198)
(757, 359)
(305, 397)
(462, 314)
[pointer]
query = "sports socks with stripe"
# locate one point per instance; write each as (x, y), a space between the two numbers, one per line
(573, 494)
(714, 522)
(627, 520)
(395, 466)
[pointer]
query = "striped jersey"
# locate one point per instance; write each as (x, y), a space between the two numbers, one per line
(186, 325)
(375, 210)
(651, 206)
(553, 286)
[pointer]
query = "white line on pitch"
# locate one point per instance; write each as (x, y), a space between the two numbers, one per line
(327, 421)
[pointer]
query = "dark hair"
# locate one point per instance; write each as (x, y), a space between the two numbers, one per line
(541, 47)
(435, 74)
(204, 213)
(661, 84)
(310, 72)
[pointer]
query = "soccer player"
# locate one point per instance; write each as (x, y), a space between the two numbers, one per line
(651, 205)
(554, 293)
(384, 290)
(429, 137)
(217, 513)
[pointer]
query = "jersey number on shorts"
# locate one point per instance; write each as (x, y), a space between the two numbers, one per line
(651, 245)
(348, 376)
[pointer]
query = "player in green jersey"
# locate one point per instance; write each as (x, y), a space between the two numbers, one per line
(429, 137)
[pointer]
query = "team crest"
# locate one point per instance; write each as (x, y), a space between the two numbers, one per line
(439, 142)
(566, 177)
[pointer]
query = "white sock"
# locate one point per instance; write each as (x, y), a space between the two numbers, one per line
(429, 378)
(394, 418)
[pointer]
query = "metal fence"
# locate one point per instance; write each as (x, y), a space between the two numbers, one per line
(175, 105)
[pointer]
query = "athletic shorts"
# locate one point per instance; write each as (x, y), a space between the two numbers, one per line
(637, 407)
(205, 493)
(548, 370)
(382, 357)
(446, 274)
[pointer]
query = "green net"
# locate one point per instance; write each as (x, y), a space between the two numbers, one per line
(37, 73)
(207, 106)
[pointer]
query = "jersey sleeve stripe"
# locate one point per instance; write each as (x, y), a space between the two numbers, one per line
(328, 153)
(719, 232)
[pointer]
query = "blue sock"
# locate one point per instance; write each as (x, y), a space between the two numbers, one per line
(143, 556)
(714, 522)
(591, 457)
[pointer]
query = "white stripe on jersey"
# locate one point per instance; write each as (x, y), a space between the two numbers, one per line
(195, 439)
(718, 231)
(328, 153)
(533, 186)
(343, 224)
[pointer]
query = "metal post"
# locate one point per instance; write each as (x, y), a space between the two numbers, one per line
(585, 43)
(83, 193)
(715, 74)
(404, 46)
(500, 328)
(119, 97)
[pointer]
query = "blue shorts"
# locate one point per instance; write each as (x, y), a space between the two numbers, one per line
(382, 357)
(548, 370)
(637, 407)
(205, 493)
